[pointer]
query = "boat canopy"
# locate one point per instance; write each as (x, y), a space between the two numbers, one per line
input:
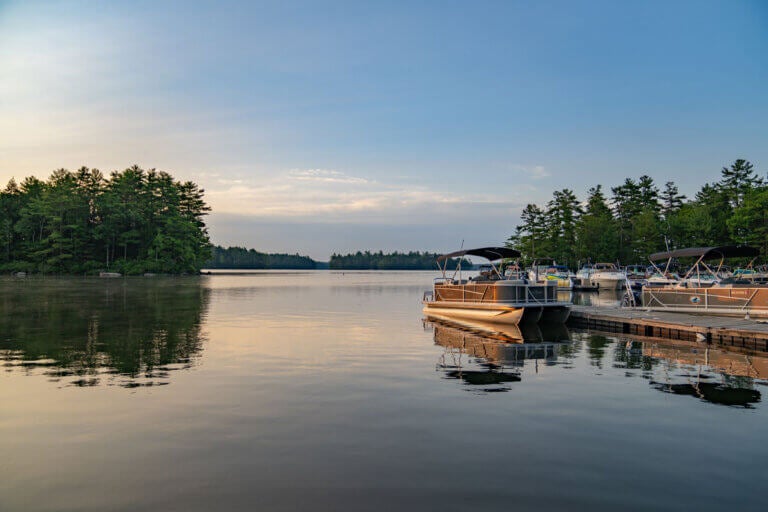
(489, 253)
(706, 253)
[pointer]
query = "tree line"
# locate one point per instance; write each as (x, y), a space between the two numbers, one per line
(640, 218)
(389, 261)
(242, 258)
(82, 222)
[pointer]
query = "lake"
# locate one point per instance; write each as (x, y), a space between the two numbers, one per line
(328, 391)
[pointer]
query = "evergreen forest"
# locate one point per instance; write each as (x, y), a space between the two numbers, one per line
(640, 217)
(390, 261)
(133, 221)
(240, 257)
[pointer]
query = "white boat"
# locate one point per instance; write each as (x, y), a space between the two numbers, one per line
(700, 280)
(603, 276)
(661, 279)
(491, 296)
(582, 280)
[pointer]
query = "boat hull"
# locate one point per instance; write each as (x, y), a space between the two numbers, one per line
(608, 283)
(725, 301)
(494, 313)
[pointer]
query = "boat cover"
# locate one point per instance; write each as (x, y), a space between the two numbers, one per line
(489, 253)
(723, 251)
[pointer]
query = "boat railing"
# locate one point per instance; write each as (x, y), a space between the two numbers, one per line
(528, 293)
(700, 297)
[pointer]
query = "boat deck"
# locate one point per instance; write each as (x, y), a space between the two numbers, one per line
(727, 331)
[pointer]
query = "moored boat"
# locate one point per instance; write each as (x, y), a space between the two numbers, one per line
(547, 269)
(582, 281)
(603, 276)
(492, 296)
(693, 294)
(661, 279)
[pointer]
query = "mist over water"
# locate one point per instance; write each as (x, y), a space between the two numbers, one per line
(330, 391)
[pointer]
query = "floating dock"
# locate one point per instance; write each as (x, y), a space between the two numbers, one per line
(725, 331)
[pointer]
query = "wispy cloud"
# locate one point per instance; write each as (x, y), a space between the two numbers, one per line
(325, 176)
(320, 195)
(535, 172)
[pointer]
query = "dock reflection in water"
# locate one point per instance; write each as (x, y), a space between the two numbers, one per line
(127, 332)
(692, 369)
(489, 356)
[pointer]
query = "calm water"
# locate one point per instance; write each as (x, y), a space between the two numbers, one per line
(328, 391)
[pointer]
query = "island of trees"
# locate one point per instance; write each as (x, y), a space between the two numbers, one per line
(132, 222)
(641, 218)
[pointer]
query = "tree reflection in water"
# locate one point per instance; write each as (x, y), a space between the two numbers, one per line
(87, 332)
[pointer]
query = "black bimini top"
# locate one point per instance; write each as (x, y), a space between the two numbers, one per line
(489, 253)
(708, 253)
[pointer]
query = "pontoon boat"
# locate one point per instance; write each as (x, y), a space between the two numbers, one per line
(491, 296)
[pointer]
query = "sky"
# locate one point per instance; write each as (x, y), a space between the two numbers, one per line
(320, 127)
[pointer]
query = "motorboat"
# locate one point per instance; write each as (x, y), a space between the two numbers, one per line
(728, 296)
(547, 269)
(491, 296)
(661, 279)
(606, 276)
(582, 280)
(700, 279)
(757, 275)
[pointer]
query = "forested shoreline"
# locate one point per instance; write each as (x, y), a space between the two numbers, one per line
(144, 221)
(134, 221)
(367, 260)
(640, 218)
(242, 258)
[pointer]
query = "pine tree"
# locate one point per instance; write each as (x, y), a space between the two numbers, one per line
(671, 199)
(737, 180)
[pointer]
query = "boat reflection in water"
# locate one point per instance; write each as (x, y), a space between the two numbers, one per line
(603, 298)
(90, 332)
(489, 356)
(714, 375)
(686, 368)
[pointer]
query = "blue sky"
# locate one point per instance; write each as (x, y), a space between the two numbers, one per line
(334, 126)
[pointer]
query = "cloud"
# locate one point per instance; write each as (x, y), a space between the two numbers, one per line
(320, 195)
(535, 172)
(325, 176)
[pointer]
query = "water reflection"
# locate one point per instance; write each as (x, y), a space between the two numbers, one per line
(712, 375)
(489, 356)
(724, 393)
(684, 368)
(89, 332)
(602, 298)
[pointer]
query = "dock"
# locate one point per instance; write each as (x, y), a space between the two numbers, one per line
(724, 331)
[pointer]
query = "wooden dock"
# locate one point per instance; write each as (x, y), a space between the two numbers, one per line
(725, 331)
